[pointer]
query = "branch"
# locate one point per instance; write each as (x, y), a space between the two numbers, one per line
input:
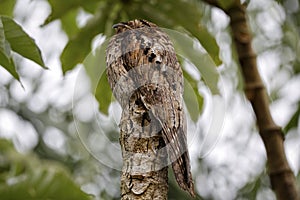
(281, 176)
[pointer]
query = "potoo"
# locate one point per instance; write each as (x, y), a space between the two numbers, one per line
(147, 80)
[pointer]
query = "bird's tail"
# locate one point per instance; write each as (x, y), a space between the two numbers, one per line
(182, 172)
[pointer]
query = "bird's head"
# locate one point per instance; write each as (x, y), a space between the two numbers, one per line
(133, 24)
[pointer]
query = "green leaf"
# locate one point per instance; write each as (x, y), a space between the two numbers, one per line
(61, 8)
(21, 42)
(294, 120)
(6, 60)
(27, 177)
(226, 4)
(185, 47)
(7, 7)
(9, 65)
(207, 41)
(80, 46)
(291, 38)
(103, 94)
(191, 22)
(193, 100)
(296, 66)
(69, 23)
(95, 67)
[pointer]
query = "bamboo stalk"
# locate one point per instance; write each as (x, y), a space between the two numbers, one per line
(281, 176)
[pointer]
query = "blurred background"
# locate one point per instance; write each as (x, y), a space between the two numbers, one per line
(59, 127)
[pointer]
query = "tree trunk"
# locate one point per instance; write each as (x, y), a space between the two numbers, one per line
(145, 171)
(282, 178)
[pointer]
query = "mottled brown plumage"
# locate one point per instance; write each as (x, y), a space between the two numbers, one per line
(144, 74)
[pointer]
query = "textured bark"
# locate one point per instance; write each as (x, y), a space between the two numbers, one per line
(282, 178)
(144, 172)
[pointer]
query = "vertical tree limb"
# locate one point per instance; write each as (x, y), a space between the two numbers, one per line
(144, 172)
(281, 176)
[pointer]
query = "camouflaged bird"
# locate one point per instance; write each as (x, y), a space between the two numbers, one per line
(147, 80)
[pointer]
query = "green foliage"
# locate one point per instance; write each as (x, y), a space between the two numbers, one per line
(14, 39)
(225, 4)
(20, 42)
(27, 177)
(185, 47)
(5, 53)
(291, 39)
(193, 100)
(79, 46)
(103, 94)
(69, 23)
(7, 7)
(95, 67)
(293, 123)
(59, 8)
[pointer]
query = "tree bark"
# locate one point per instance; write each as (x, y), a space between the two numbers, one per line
(281, 176)
(145, 171)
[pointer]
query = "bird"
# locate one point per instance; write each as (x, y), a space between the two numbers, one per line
(141, 55)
